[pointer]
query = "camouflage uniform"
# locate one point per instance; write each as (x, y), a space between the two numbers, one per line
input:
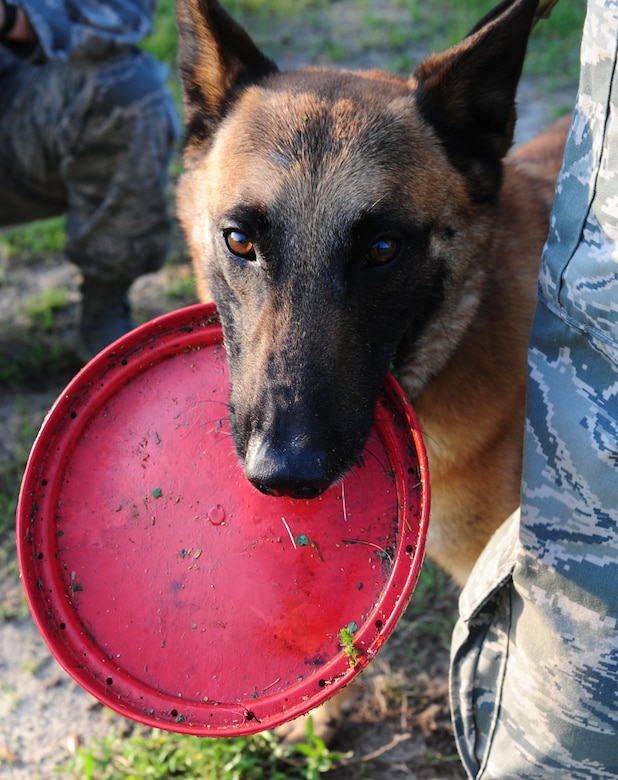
(534, 677)
(87, 128)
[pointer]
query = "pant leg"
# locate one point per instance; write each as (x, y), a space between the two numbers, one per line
(534, 673)
(94, 142)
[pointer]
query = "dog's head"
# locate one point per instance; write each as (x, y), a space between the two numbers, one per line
(337, 219)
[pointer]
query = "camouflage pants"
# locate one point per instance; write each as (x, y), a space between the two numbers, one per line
(534, 675)
(94, 141)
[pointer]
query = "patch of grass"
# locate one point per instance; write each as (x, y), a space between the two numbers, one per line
(10, 700)
(430, 616)
(182, 286)
(439, 759)
(163, 44)
(41, 307)
(346, 640)
(43, 237)
(35, 357)
(11, 471)
(275, 10)
(151, 753)
(8, 505)
(433, 583)
(553, 52)
(33, 666)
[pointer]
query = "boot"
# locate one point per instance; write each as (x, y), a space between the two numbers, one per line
(105, 316)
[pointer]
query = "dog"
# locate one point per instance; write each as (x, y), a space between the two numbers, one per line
(351, 223)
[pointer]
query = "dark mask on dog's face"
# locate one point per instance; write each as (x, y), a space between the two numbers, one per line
(335, 220)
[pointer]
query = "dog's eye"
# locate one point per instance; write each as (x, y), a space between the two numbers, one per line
(239, 244)
(383, 251)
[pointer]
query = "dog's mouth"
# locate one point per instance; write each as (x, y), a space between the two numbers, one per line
(291, 490)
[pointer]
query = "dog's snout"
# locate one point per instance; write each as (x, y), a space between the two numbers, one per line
(295, 470)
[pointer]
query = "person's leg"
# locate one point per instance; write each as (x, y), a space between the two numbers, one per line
(31, 131)
(94, 142)
(534, 678)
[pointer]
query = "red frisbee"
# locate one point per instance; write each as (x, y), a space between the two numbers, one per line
(171, 589)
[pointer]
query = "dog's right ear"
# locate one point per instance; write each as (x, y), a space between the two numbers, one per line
(216, 60)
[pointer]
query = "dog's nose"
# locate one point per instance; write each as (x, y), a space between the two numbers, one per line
(293, 470)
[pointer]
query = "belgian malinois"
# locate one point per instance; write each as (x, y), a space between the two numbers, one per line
(349, 222)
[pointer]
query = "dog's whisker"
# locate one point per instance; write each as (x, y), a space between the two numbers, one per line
(216, 428)
(213, 401)
(381, 550)
(378, 201)
(368, 451)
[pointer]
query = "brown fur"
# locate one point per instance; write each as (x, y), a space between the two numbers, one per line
(316, 168)
(472, 413)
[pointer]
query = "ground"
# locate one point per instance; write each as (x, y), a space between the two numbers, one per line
(398, 727)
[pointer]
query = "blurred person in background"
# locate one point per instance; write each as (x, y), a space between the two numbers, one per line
(87, 129)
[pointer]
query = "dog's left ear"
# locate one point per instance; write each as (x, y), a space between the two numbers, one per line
(467, 93)
(217, 58)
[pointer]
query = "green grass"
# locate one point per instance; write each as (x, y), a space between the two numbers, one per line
(41, 307)
(39, 358)
(44, 237)
(41, 237)
(10, 478)
(429, 618)
(151, 753)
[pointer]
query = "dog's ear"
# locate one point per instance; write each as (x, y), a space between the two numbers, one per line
(467, 93)
(216, 60)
